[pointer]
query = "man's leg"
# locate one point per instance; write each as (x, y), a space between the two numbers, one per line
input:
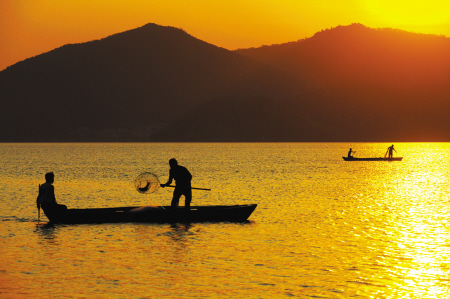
(188, 199)
(175, 199)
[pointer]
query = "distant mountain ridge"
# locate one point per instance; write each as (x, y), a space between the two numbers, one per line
(358, 53)
(155, 83)
(123, 87)
(368, 84)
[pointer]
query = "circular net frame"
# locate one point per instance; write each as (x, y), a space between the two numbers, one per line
(146, 183)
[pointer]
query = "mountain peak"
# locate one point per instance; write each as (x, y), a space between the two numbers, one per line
(152, 29)
(354, 27)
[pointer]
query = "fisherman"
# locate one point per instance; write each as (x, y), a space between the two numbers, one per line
(391, 150)
(182, 178)
(46, 198)
(350, 153)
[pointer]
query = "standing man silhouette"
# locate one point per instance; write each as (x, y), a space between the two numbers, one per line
(182, 178)
(390, 151)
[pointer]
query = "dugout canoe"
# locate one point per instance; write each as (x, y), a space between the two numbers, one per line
(160, 214)
(372, 159)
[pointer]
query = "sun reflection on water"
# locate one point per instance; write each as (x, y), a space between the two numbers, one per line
(419, 215)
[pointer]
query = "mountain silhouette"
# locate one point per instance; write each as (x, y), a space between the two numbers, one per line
(367, 84)
(155, 83)
(124, 87)
(359, 54)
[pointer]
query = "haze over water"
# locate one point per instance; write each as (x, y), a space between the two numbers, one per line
(323, 227)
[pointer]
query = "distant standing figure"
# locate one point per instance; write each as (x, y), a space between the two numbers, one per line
(391, 150)
(182, 178)
(350, 152)
(46, 198)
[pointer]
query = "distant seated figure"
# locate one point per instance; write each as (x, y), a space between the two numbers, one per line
(46, 198)
(350, 153)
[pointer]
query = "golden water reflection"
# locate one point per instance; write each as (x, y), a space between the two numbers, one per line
(413, 200)
(323, 227)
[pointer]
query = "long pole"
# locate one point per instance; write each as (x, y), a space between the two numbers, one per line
(191, 188)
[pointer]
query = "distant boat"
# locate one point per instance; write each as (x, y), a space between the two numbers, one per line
(372, 159)
(160, 214)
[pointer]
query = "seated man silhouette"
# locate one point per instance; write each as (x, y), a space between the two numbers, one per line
(349, 155)
(46, 198)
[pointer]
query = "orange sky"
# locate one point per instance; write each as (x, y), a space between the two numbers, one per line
(31, 27)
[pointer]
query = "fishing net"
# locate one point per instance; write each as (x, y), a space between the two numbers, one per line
(146, 183)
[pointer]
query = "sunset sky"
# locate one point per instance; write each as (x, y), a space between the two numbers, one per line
(32, 27)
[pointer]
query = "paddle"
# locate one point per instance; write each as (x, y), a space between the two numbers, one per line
(38, 205)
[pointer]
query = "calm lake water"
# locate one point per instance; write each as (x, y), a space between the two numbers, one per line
(323, 228)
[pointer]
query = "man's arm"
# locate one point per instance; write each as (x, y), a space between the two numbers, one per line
(53, 197)
(169, 181)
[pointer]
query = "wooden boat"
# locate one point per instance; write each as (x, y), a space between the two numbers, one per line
(372, 159)
(160, 214)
